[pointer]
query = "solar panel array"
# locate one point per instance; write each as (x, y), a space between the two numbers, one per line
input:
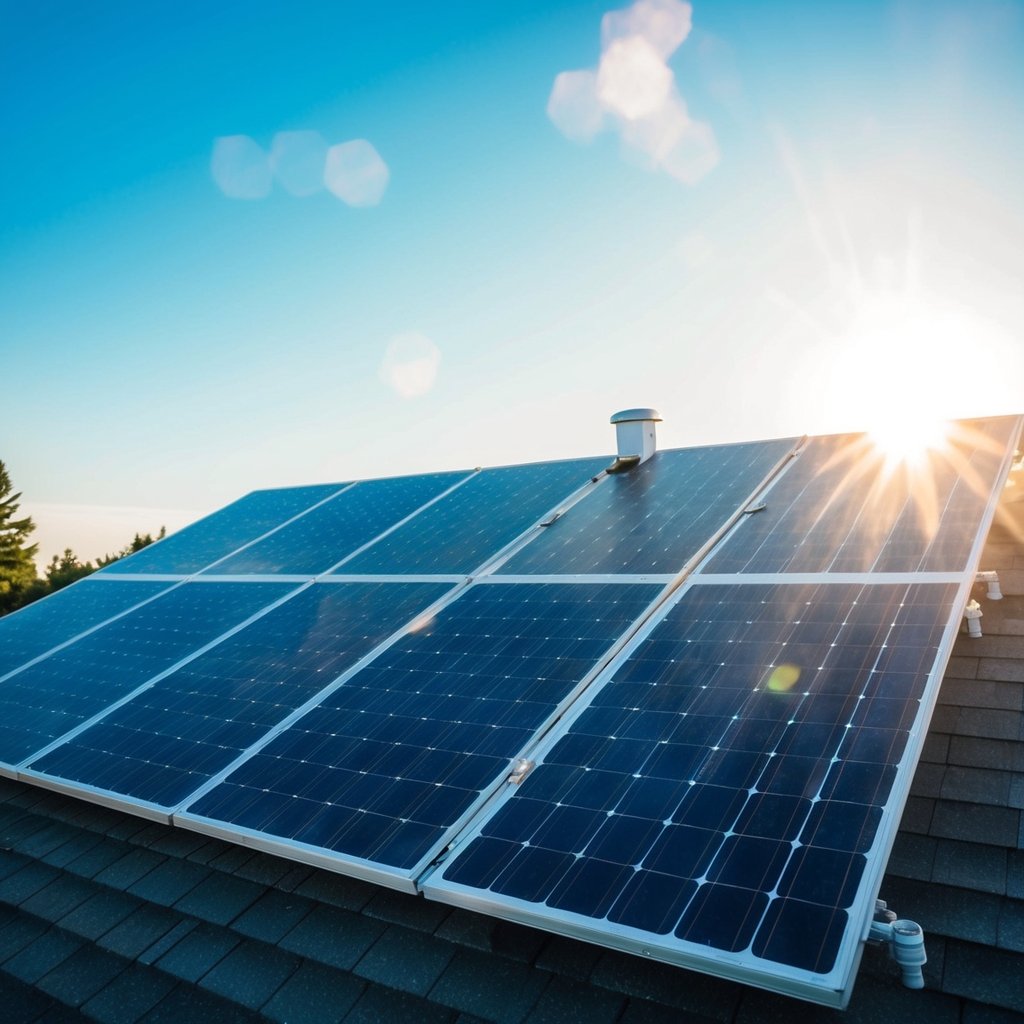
(673, 710)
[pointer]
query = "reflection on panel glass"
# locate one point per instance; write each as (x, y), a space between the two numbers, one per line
(464, 529)
(316, 541)
(725, 787)
(219, 534)
(60, 692)
(652, 518)
(166, 742)
(389, 761)
(42, 625)
(846, 505)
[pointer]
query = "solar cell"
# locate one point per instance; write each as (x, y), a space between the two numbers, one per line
(842, 507)
(45, 624)
(217, 535)
(163, 744)
(462, 530)
(385, 765)
(58, 693)
(655, 517)
(722, 792)
(317, 540)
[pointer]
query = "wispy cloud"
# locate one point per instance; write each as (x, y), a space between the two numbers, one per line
(410, 364)
(302, 164)
(633, 91)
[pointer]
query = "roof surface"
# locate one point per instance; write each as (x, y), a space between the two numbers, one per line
(107, 917)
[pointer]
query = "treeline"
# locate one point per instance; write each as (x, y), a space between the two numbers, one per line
(20, 584)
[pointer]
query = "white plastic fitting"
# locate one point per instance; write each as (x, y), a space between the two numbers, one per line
(994, 593)
(905, 940)
(972, 613)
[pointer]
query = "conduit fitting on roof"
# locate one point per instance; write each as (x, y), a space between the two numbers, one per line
(972, 613)
(634, 436)
(992, 579)
(905, 940)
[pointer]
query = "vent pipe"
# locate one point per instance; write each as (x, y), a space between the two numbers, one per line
(635, 436)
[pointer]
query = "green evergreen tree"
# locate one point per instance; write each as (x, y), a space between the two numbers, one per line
(66, 569)
(17, 565)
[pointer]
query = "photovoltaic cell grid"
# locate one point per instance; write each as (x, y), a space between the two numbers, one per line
(459, 532)
(841, 508)
(45, 700)
(162, 745)
(383, 767)
(652, 518)
(219, 534)
(60, 617)
(724, 789)
(316, 541)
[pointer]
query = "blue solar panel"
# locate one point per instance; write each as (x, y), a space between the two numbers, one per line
(462, 530)
(316, 541)
(219, 534)
(723, 791)
(384, 766)
(654, 517)
(167, 741)
(840, 507)
(60, 692)
(43, 625)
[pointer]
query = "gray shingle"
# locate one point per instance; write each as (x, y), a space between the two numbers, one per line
(198, 952)
(465, 928)
(568, 958)
(377, 1005)
(26, 882)
(928, 780)
(407, 910)
(406, 960)
(169, 881)
(17, 931)
(97, 858)
(974, 823)
(273, 915)
(42, 955)
(912, 856)
(984, 974)
(78, 978)
(185, 1003)
(100, 913)
(970, 916)
(976, 785)
(985, 692)
(972, 752)
(220, 898)
(569, 1002)
(489, 987)
(128, 869)
(138, 931)
(314, 994)
(917, 815)
(660, 983)
(333, 936)
(251, 973)
(988, 723)
(970, 866)
(1011, 927)
(339, 891)
(60, 897)
(133, 993)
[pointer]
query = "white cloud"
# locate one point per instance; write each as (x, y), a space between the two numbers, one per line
(240, 167)
(355, 173)
(410, 364)
(634, 91)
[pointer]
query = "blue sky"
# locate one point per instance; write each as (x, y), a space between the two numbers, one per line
(836, 231)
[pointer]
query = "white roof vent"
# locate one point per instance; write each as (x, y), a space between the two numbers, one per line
(635, 436)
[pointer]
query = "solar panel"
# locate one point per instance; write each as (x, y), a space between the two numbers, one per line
(316, 541)
(662, 725)
(217, 535)
(49, 698)
(159, 747)
(461, 531)
(722, 793)
(840, 508)
(382, 769)
(654, 518)
(45, 624)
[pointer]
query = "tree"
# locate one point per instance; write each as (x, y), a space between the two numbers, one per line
(17, 565)
(66, 569)
(139, 541)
